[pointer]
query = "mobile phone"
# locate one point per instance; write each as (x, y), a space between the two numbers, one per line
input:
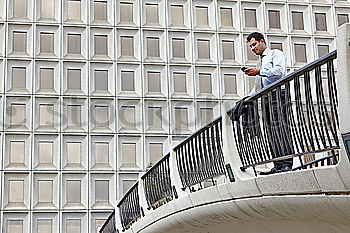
(244, 68)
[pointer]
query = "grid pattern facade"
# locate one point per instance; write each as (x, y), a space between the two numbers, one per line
(93, 92)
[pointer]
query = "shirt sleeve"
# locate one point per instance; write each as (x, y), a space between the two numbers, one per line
(278, 65)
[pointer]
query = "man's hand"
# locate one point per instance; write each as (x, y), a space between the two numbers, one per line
(252, 71)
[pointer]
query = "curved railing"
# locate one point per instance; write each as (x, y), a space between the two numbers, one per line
(129, 207)
(109, 226)
(157, 183)
(200, 156)
(290, 118)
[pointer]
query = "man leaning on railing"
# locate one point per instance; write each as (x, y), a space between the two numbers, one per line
(271, 67)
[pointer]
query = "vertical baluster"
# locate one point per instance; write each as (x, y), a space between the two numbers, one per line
(322, 109)
(332, 89)
(300, 115)
(296, 133)
(268, 127)
(313, 124)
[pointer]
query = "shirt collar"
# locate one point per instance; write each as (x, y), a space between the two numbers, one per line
(266, 51)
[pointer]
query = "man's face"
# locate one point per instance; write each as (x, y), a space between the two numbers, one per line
(257, 47)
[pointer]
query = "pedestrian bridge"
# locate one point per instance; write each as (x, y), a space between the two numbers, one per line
(211, 182)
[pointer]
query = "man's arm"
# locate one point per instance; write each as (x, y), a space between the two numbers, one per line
(279, 65)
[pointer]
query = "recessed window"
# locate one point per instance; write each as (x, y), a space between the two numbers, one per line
(205, 83)
(101, 44)
(203, 47)
(152, 13)
(250, 18)
(297, 20)
(14, 226)
(127, 184)
(181, 118)
(74, 152)
(73, 191)
(101, 190)
(202, 16)
(178, 48)
(44, 226)
(73, 9)
(19, 8)
(74, 44)
(177, 15)
(45, 152)
(98, 224)
(18, 114)
(46, 78)
(16, 191)
(129, 154)
(342, 18)
(230, 84)
(155, 152)
(321, 24)
(155, 117)
(127, 80)
(152, 47)
(17, 152)
(20, 42)
(300, 52)
(18, 78)
(45, 190)
(126, 12)
(180, 82)
(102, 152)
(322, 50)
(226, 17)
(46, 42)
(228, 50)
(74, 115)
(73, 226)
(100, 10)
(207, 115)
(154, 83)
(274, 19)
(276, 45)
(46, 115)
(127, 117)
(101, 116)
(47, 9)
(101, 80)
(127, 45)
(74, 79)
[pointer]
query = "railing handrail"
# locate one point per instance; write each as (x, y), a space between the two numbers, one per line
(289, 77)
(197, 132)
(155, 165)
(127, 193)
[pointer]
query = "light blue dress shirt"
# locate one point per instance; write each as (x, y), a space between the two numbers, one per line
(273, 66)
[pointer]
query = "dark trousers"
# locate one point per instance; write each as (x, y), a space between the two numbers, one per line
(278, 129)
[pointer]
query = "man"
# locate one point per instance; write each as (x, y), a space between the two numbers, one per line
(271, 67)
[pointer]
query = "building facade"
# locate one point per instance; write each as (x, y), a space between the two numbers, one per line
(92, 92)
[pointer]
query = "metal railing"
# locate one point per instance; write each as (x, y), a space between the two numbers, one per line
(129, 207)
(157, 183)
(199, 157)
(290, 118)
(109, 226)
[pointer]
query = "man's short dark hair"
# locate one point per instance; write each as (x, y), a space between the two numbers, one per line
(257, 36)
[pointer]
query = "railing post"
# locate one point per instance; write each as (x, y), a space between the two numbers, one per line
(230, 152)
(343, 83)
(343, 77)
(142, 197)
